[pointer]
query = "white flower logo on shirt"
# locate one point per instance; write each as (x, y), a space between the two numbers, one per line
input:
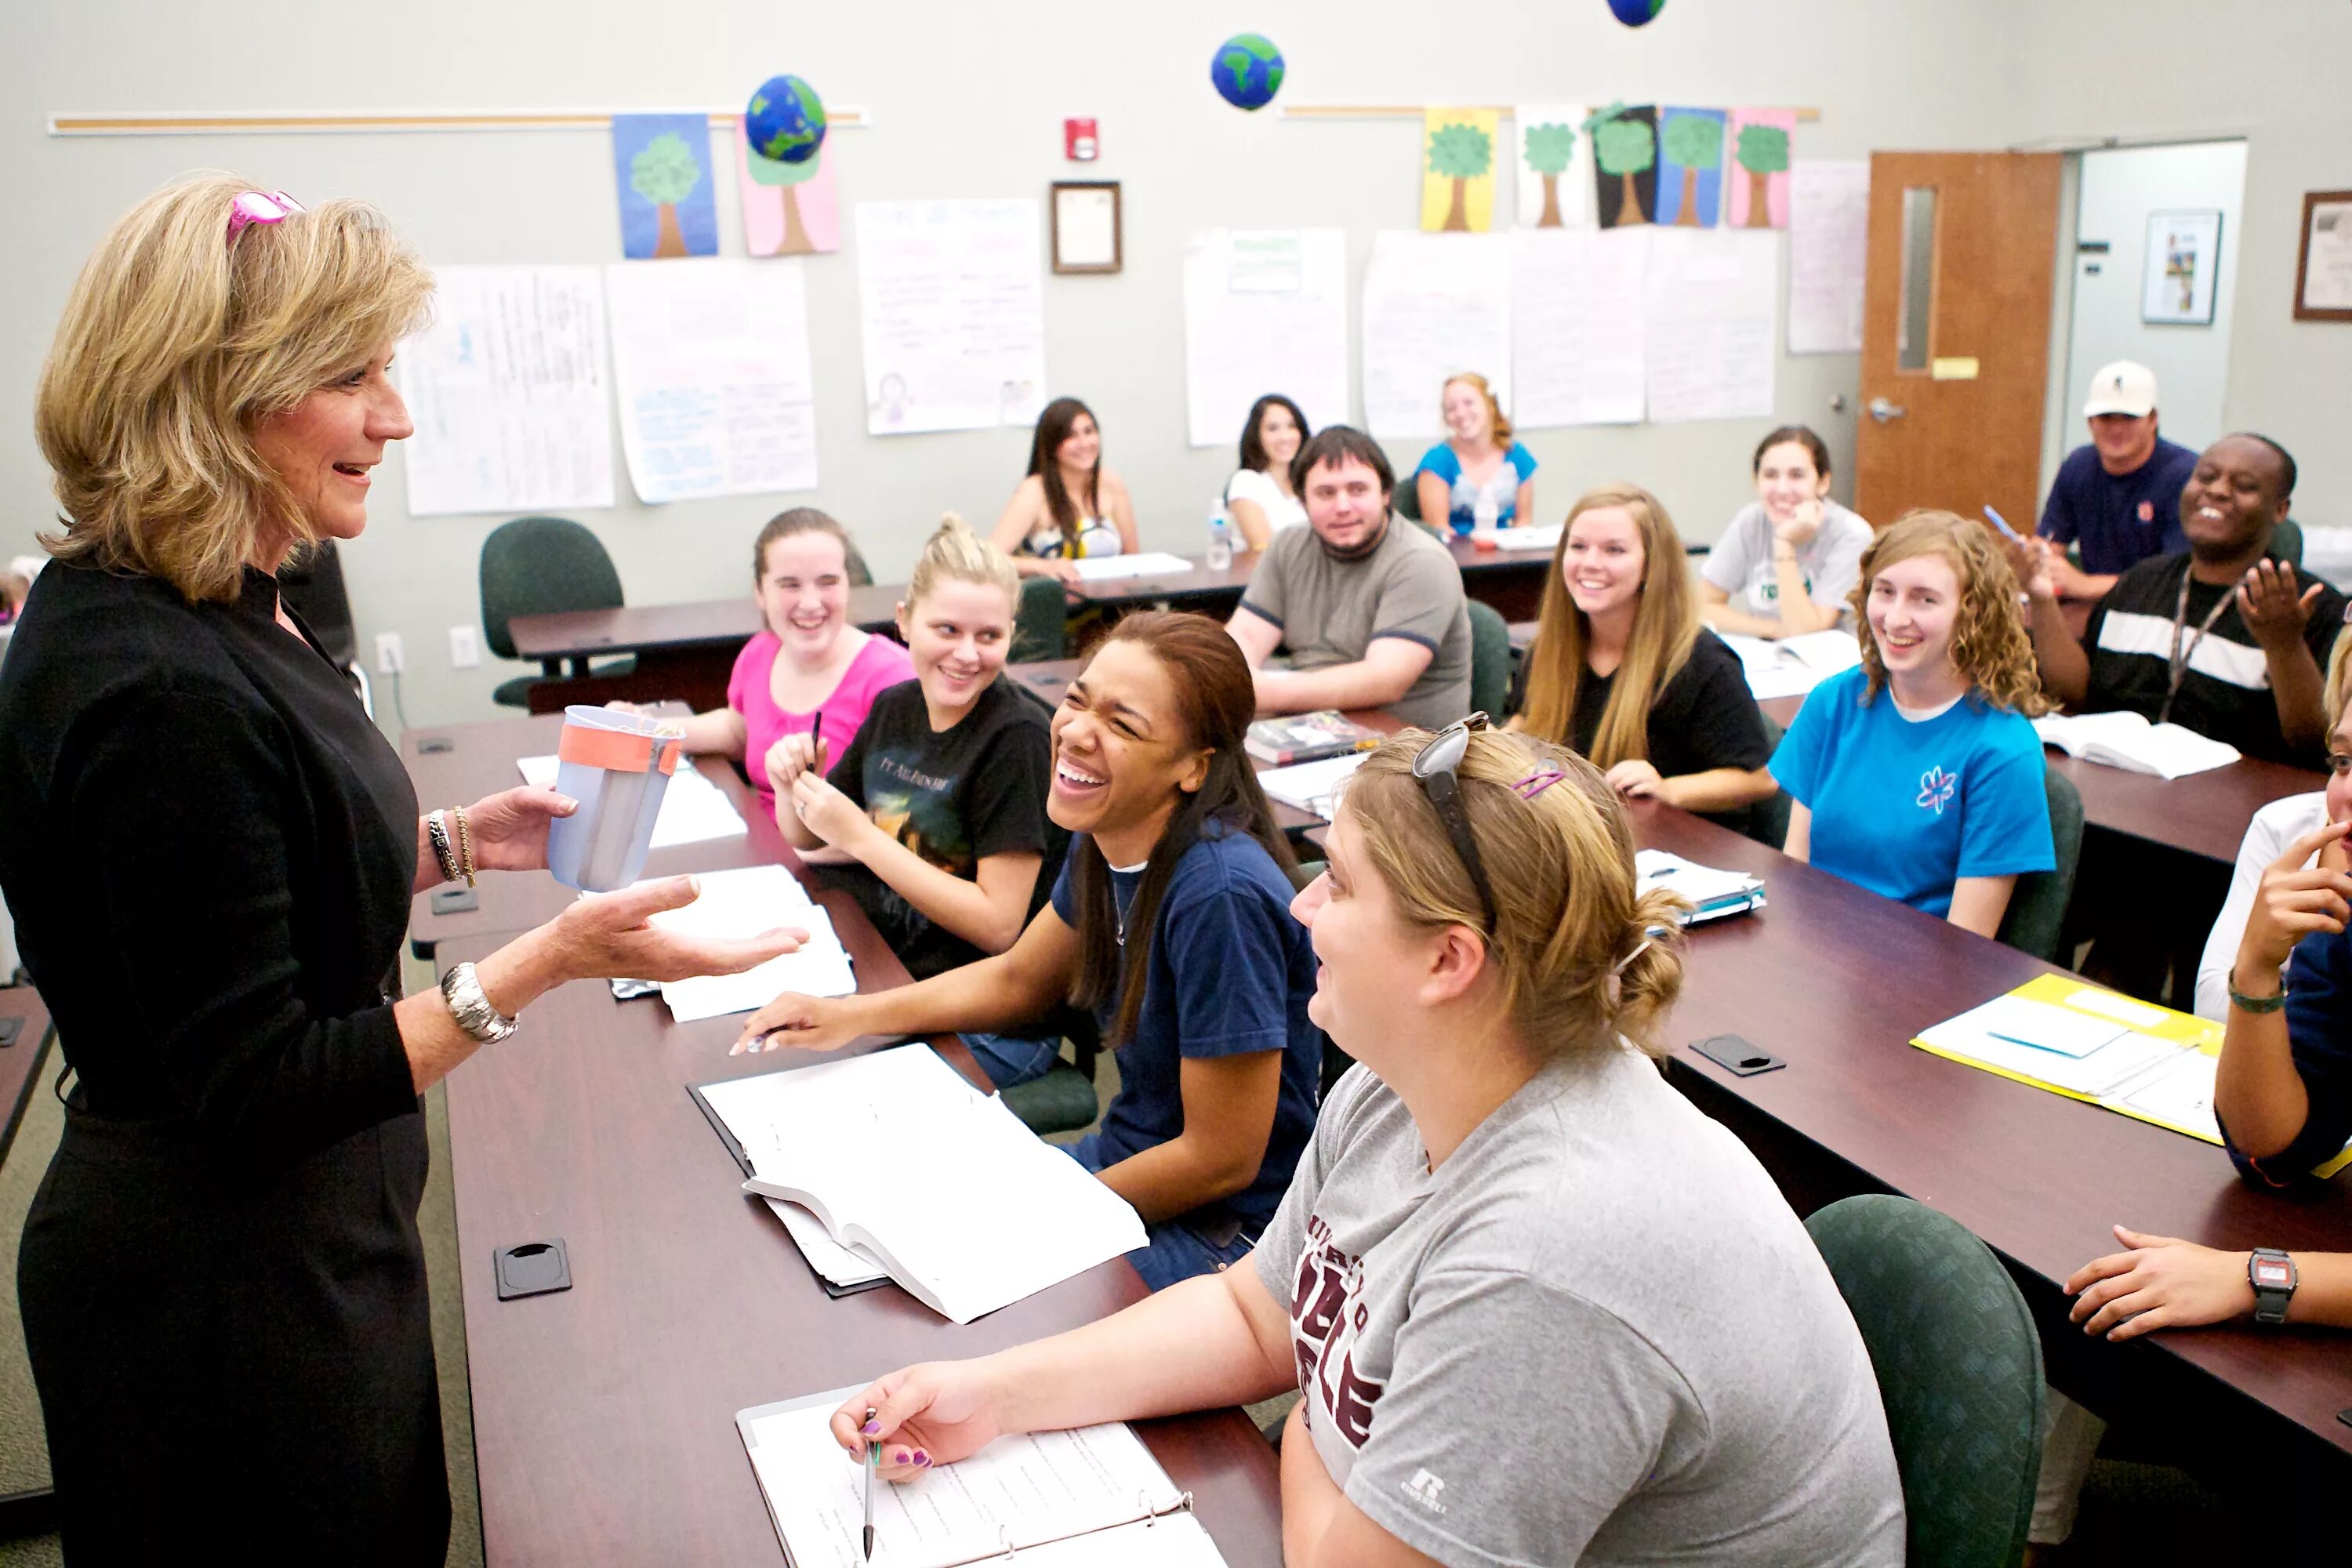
(1936, 788)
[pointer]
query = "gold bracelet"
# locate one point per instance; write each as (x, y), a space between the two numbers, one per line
(464, 845)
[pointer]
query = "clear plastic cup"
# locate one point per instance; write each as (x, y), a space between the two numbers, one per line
(618, 766)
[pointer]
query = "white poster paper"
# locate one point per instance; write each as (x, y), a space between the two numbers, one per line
(1245, 336)
(1555, 165)
(1829, 248)
(710, 358)
(506, 390)
(951, 297)
(1712, 298)
(1578, 302)
(1434, 305)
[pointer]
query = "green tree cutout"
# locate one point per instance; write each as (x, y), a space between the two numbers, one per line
(1460, 154)
(1695, 142)
(1548, 150)
(1763, 152)
(664, 172)
(1625, 148)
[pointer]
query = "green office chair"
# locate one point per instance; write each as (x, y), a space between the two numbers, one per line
(2286, 541)
(1062, 1100)
(1490, 661)
(539, 566)
(2037, 905)
(861, 575)
(1959, 1371)
(1405, 499)
(1767, 819)
(1041, 627)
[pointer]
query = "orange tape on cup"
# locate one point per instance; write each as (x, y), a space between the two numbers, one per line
(612, 750)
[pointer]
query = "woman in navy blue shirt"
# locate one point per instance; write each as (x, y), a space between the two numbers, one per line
(1170, 921)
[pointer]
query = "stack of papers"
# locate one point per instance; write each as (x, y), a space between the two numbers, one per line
(1713, 893)
(2128, 741)
(693, 809)
(1546, 539)
(1020, 1216)
(1310, 787)
(1791, 666)
(1144, 564)
(743, 903)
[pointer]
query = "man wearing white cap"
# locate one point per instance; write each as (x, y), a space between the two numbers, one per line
(2118, 498)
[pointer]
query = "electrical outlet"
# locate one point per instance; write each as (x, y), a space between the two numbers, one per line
(464, 648)
(389, 659)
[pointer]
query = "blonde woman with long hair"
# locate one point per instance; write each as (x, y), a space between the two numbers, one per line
(1917, 772)
(1623, 672)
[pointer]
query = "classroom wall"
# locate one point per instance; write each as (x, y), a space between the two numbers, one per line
(968, 102)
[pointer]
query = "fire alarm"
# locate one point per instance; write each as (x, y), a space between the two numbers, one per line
(1079, 144)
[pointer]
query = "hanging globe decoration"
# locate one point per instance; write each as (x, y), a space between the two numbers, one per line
(1247, 70)
(786, 120)
(1636, 13)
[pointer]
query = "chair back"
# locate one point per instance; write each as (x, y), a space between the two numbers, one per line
(1767, 819)
(2286, 541)
(1041, 625)
(1490, 661)
(539, 566)
(1960, 1373)
(1405, 499)
(2037, 904)
(861, 575)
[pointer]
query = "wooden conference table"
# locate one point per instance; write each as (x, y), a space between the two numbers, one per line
(603, 1415)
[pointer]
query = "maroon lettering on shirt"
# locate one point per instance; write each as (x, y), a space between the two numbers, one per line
(1326, 1314)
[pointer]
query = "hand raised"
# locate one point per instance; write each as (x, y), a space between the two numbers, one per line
(2273, 608)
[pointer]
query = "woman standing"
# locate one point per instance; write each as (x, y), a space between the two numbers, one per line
(1477, 477)
(1787, 561)
(210, 855)
(1260, 496)
(1069, 507)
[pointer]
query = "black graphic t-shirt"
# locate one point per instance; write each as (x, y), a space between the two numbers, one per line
(954, 797)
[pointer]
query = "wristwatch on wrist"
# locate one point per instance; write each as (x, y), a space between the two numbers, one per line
(2272, 1274)
(471, 1009)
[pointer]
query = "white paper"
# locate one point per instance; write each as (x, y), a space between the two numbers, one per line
(1086, 225)
(710, 358)
(693, 809)
(2128, 741)
(1145, 564)
(1265, 310)
(743, 903)
(2025, 1022)
(1572, 189)
(952, 304)
(2181, 1096)
(1434, 305)
(1828, 250)
(837, 1264)
(1579, 313)
(1545, 538)
(1712, 295)
(506, 390)
(1712, 891)
(1792, 665)
(2099, 1072)
(1831, 652)
(1311, 786)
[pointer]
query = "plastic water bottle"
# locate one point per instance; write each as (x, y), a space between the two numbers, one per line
(1486, 512)
(1221, 541)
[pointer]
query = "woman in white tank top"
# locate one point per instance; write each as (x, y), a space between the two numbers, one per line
(1069, 508)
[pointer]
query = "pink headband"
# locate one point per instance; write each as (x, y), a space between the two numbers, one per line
(1538, 779)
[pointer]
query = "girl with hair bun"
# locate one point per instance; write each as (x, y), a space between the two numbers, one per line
(1539, 1309)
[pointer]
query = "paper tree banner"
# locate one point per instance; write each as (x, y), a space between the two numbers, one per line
(1555, 165)
(661, 164)
(789, 209)
(1457, 170)
(1690, 167)
(1625, 165)
(1758, 143)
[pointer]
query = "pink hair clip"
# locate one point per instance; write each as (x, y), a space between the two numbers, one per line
(258, 206)
(1538, 781)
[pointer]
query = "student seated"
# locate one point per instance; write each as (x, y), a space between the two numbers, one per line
(938, 803)
(1260, 497)
(1539, 1309)
(1477, 477)
(1621, 670)
(1373, 613)
(1069, 507)
(1933, 796)
(809, 670)
(2222, 638)
(1169, 921)
(2273, 829)
(2118, 500)
(1787, 561)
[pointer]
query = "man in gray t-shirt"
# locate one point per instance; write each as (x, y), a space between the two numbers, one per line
(1596, 1334)
(1372, 610)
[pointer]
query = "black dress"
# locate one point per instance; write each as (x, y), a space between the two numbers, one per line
(209, 850)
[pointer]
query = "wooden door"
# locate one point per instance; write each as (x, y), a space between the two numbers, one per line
(1956, 333)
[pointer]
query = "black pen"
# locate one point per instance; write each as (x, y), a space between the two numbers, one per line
(873, 1463)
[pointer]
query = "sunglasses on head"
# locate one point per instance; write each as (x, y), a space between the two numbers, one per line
(1437, 765)
(249, 207)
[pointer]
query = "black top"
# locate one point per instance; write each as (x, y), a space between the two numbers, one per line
(209, 859)
(954, 798)
(2225, 693)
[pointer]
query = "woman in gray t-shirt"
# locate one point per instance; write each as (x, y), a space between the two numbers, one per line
(1787, 561)
(1538, 1307)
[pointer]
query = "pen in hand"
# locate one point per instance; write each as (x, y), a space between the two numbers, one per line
(873, 1463)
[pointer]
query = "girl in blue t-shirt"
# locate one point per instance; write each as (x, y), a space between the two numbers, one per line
(1477, 477)
(1172, 921)
(1916, 773)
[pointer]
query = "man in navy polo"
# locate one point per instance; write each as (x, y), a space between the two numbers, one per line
(2118, 498)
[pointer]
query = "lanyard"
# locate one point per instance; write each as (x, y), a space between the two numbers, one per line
(2179, 663)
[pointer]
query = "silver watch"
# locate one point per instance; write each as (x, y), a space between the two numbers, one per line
(471, 1009)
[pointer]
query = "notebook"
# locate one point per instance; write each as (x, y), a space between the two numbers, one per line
(1308, 737)
(693, 809)
(745, 902)
(1713, 893)
(1310, 787)
(2128, 741)
(1020, 1216)
(1089, 1495)
(1144, 564)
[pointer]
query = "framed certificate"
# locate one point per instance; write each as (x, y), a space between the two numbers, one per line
(2323, 275)
(1086, 225)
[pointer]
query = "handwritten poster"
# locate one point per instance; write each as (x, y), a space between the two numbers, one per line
(711, 362)
(1245, 335)
(1712, 299)
(1555, 165)
(953, 312)
(1828, 249)
(506, 390)
(1578, 310)
(1434, 305)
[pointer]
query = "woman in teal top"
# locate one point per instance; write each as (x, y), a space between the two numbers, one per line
(1477, 477)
